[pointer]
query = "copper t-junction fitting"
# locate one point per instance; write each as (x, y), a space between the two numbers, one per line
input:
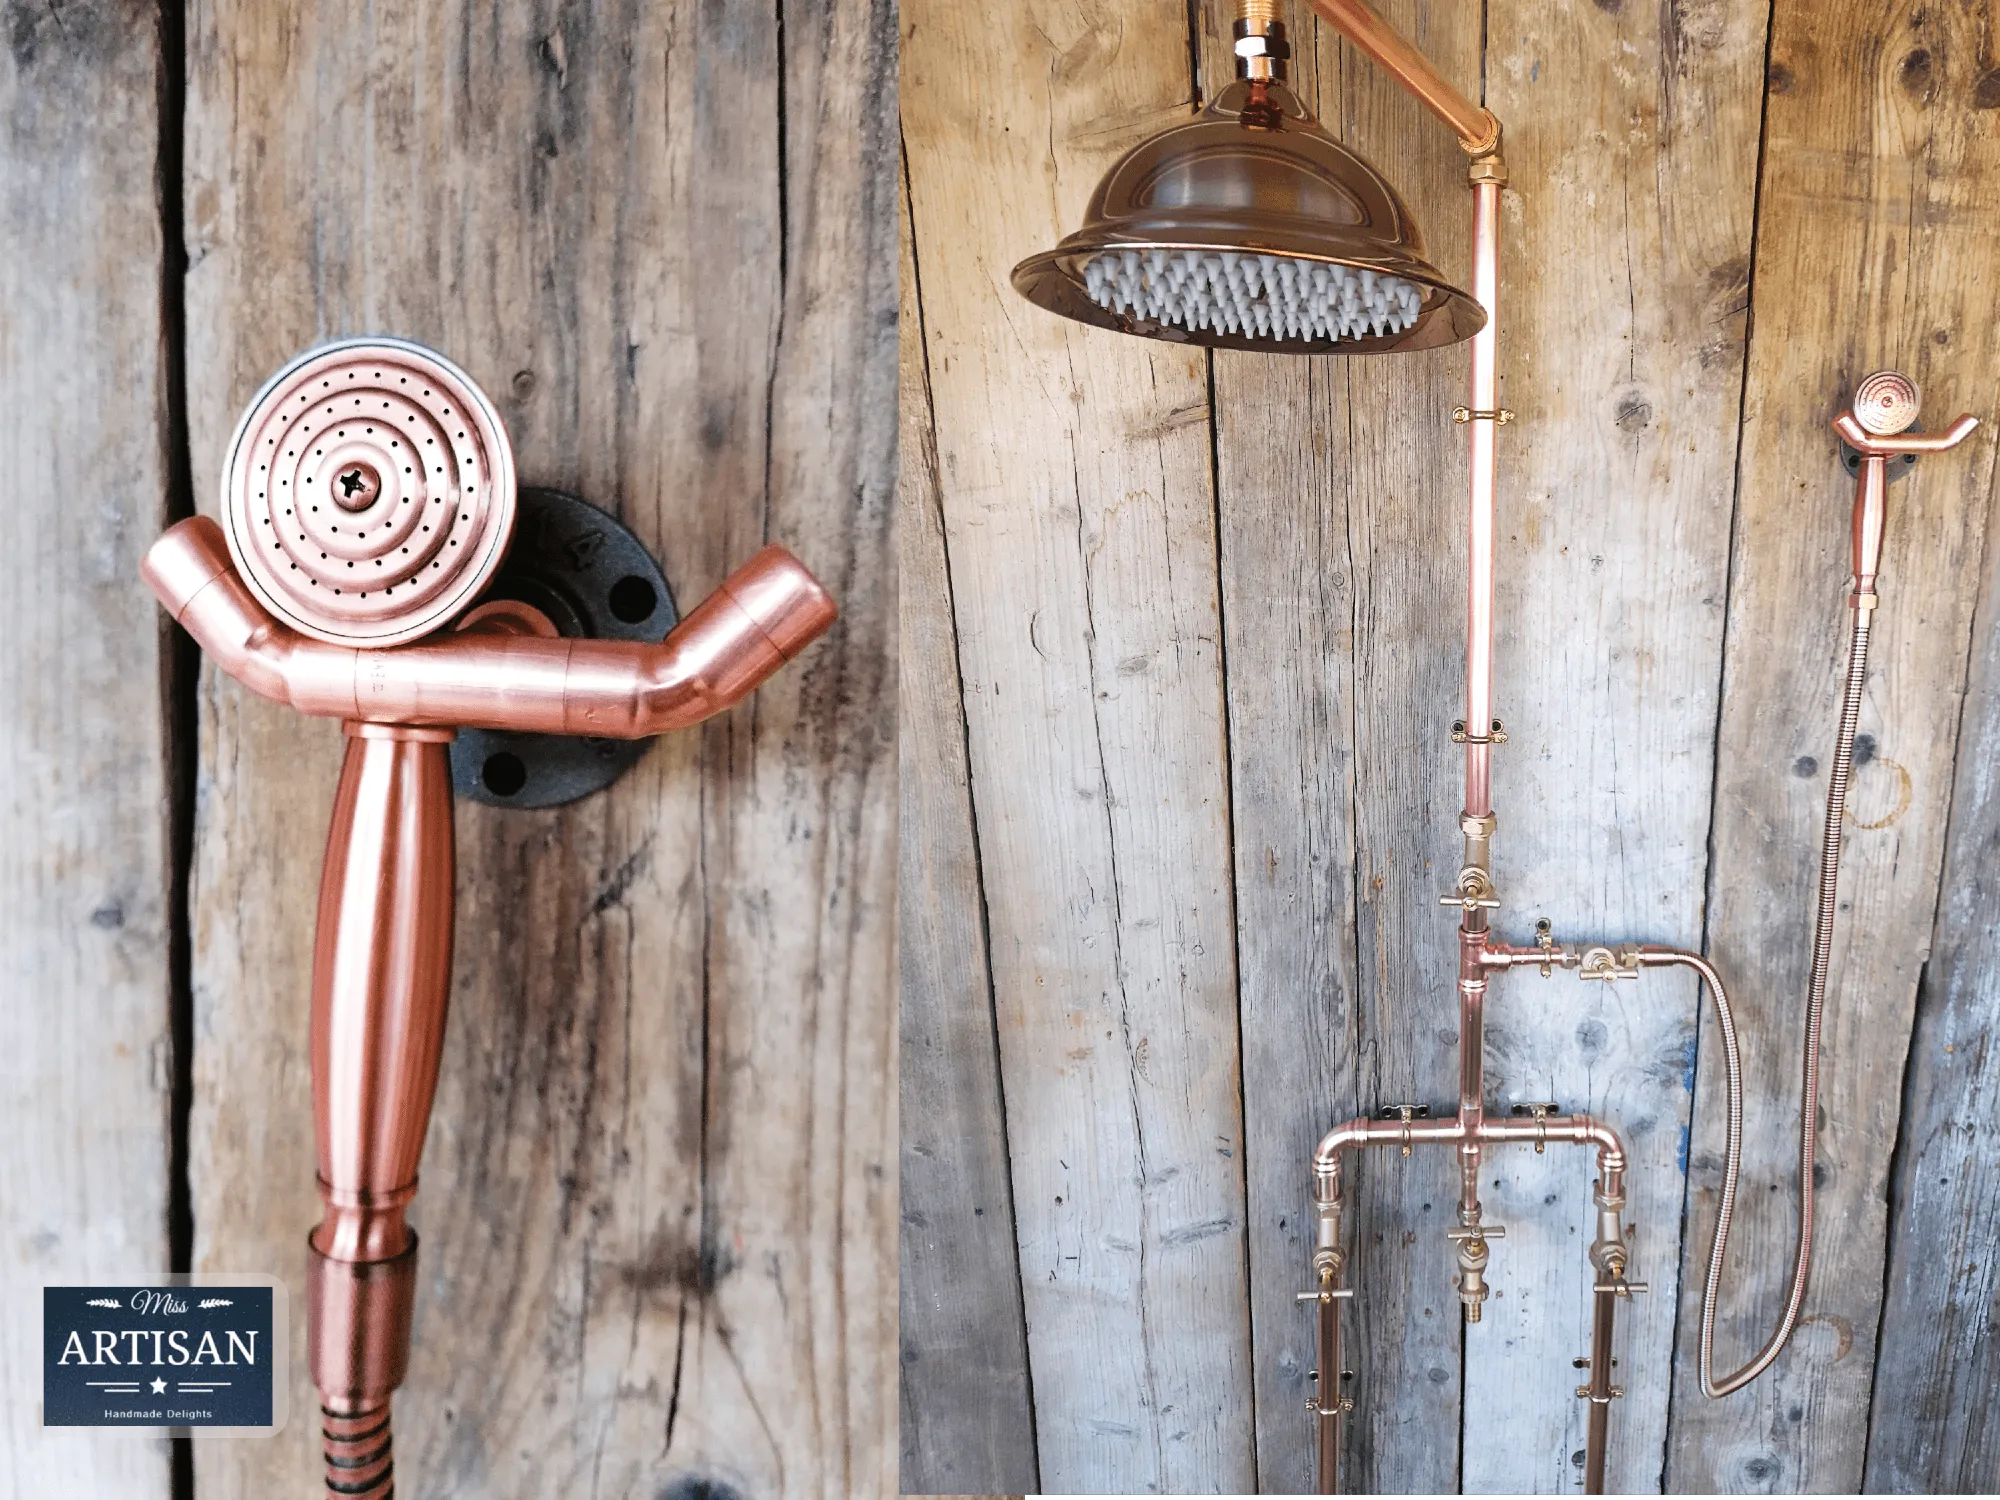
(369, 499)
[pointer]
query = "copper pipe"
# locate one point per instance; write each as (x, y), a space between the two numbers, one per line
(1599, 1390)
(1479, 534)
(1564, 1130)
(761, 616)
(1332, 1398)
(1865, 442)
(1478, 129)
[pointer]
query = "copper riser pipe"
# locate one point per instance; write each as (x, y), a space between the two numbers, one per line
(382, 953)
(1470, 1132)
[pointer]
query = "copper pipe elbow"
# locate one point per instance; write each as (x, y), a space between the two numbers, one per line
(762, 616)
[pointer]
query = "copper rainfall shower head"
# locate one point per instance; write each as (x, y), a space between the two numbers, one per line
(1251, 227)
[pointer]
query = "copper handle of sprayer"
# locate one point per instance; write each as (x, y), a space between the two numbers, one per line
(381, 980)
(763, 614)
(1871, 488)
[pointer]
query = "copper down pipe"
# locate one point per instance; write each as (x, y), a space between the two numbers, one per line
(338, 527)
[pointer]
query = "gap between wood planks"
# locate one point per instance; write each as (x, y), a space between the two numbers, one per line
(181, 667)
(929, 456)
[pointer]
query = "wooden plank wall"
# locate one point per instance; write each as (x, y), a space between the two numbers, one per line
(658, 1208)
(1723, 215)
(86, 881)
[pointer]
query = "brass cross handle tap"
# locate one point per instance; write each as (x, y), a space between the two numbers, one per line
(368, 501)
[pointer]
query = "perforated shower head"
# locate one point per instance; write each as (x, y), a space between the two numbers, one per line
(1250, 227)
(368, 493)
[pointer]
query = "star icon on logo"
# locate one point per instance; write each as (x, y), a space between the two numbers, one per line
(159, 1387)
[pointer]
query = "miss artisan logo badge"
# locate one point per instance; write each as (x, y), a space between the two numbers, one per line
(150, 1357)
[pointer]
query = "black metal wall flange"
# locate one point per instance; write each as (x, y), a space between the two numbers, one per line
(594, 580)
(1897, 466)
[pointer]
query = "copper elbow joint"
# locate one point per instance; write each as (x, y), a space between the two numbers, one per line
(764, 614)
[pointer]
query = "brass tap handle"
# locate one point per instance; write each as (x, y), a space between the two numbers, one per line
(1476, 1232)
(1324, 1294)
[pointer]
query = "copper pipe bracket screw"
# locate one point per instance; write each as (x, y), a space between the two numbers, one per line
(1459, 736)
(1499, 416)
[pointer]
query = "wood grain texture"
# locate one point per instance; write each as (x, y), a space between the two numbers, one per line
(1931, 1425)
(967, 1415)
(657, 1201)
(1343, 565)
(1632, 141)
(1874, 248)
(1075, 480)
(84, 878)
(1626, 521)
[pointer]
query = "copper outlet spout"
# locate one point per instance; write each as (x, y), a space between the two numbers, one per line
(333, 593)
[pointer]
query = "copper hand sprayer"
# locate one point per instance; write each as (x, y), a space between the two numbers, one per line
(368, 504)
(1249, 227)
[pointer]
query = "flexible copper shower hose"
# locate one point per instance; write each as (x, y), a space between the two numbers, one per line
(1829, 879)
(359, 1458)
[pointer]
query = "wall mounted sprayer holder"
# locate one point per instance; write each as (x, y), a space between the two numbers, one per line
(362, 571)
(1250, 227)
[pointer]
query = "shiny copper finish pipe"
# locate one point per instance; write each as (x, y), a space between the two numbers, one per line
(1478, 130)
(1599, 1392)
(761, 616)
(1561, 1130)
(1479, 533)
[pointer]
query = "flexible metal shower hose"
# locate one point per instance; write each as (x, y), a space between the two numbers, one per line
(1829, 879)
(359, 1460)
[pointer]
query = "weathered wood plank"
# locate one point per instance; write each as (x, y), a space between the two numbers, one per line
(1874, 247)
(966, 1415)
(1930, 1429)
(1632, 142)
(1343, 562)
(1079, 521)
(656, 1208)
(84, 874)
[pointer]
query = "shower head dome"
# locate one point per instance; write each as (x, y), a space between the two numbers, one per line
(1250, 227)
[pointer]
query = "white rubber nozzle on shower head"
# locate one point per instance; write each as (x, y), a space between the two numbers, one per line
(1276, 297)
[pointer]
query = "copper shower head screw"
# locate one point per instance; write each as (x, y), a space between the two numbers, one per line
(368, 494)
(1886, 403)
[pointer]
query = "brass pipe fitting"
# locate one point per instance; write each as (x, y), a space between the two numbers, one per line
(1262, 52)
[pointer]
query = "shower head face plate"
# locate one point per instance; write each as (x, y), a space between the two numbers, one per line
(1886, 403)
(368, 496)
(1250, 227)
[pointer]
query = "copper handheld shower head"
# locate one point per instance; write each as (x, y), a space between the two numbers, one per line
(368, 493)
(1251, 227)
(367, 502)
